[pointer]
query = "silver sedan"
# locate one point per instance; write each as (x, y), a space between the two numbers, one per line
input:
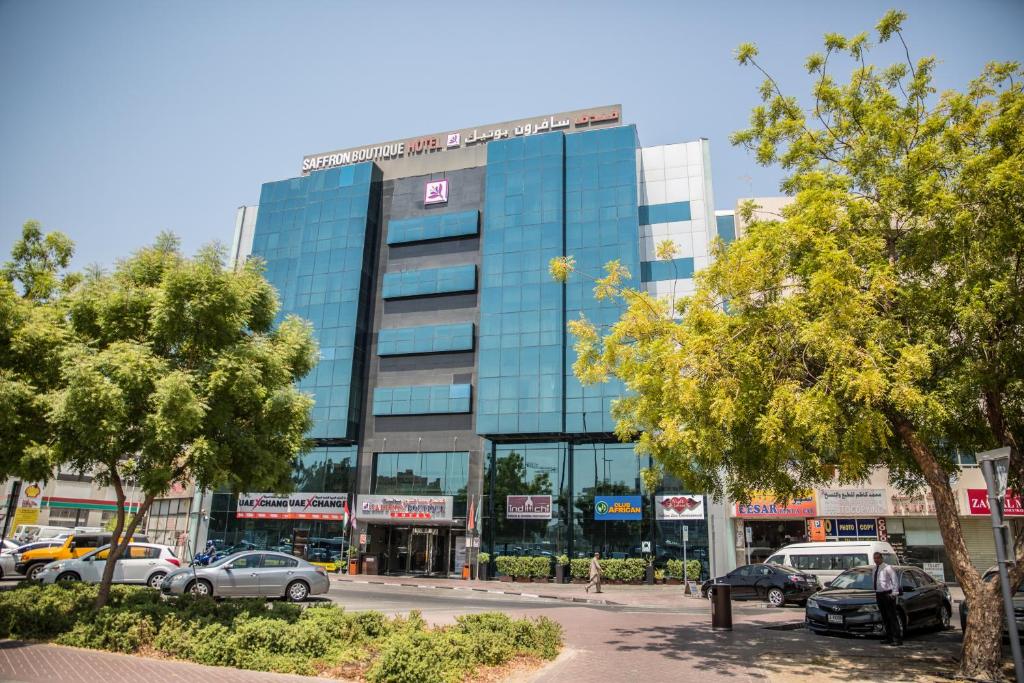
(251, 574)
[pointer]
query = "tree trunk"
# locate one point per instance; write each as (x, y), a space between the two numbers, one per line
(119, 541)
(982, 649)
(981, 653)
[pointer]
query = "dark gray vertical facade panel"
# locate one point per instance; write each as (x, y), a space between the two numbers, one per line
(403, 198)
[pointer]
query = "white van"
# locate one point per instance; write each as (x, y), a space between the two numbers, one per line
(827, 560)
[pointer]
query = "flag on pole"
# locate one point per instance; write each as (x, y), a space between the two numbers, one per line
(354, 521)
(345, 512)
(471, 518)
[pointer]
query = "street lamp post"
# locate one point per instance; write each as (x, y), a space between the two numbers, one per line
(995, 465)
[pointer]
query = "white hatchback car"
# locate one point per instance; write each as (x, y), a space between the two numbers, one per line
(142, 563)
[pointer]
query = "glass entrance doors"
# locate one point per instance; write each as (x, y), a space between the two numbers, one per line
(418, 550)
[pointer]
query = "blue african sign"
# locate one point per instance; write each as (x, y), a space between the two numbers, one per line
(609, 508)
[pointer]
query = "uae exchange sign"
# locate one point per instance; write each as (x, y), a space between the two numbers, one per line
(293, 506)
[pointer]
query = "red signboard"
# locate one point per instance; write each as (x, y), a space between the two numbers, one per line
(977, 501)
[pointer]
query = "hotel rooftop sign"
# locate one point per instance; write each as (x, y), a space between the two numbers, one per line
(465, 138)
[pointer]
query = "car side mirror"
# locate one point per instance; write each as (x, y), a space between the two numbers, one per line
(827, 584)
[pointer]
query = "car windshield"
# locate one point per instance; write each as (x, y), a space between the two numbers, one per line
(853, 580)
(994, 576)
(217, 563)
(94, 553)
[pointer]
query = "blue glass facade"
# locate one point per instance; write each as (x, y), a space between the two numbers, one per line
(425, 339)
(673, 269)
(601, 224)
(437, 226)
(521, 308)
(429, 281)
(317, 236)
(422, 399)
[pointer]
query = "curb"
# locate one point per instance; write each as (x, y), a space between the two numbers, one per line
(563, 598)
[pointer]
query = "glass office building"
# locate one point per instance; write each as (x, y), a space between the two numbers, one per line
(447, 412)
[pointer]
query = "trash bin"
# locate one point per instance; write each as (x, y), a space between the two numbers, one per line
(721, 607)
(370, 565)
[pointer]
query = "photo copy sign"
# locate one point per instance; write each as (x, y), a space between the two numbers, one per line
(528, 507)
(679, 507)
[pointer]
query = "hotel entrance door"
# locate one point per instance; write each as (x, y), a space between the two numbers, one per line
(418, 550)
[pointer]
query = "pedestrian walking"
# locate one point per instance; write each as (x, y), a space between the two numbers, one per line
(595, 573)
(887, 589)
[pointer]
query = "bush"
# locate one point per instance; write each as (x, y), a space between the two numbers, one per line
(579, 569)
(674, 568)
(539, 567)
(505, 565)
(483, 558)
(282, 637)
(112, 628)
(693, 570)
(563, 560)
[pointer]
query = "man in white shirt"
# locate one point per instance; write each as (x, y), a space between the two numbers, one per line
(887, 589)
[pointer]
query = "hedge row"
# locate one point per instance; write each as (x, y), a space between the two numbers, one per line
(256, 635)
(630, 569)
(522, 567)
(674, 568)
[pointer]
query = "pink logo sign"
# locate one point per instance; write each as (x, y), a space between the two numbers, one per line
(436, 192)
(528, 507)
(454, 139)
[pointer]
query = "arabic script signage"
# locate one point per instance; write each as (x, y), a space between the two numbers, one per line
(404, 508)
(293, 506)
(468, 137)
(977, 502)
(528, 507)
(851, 502)
(679, 507)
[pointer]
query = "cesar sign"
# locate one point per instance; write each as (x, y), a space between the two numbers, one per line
(528, 507)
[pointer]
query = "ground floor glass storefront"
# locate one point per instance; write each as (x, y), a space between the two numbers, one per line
(576, 477)
(325, 469)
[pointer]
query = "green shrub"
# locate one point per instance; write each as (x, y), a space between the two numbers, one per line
(112, 628)
(38, 612)
(505, 564)
(538, 567)
(674, 568)
(693, 569)
(579, 569)
(424, 657)
(483, 558)
(563, 560)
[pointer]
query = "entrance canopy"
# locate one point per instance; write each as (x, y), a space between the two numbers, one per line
(406, 510)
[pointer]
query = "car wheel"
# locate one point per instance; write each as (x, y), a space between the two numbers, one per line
(34, 571)
(297, 591)
(945, 616)
(155, 580)
(69, 576)
(776, 598)
(201, 587)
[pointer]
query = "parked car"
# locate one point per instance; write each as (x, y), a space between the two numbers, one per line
(31, 562)
(143, 563)
(26, 533)
(829, 559)
(775, 583)
(848, 604)
(8, 558)
(9, 546)
(1018, 605)
(251, 574)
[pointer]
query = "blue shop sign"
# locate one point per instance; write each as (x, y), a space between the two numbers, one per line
(867, 527)
(846, 528)
(610, 508)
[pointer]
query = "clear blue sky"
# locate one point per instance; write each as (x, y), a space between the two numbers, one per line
(122, 119)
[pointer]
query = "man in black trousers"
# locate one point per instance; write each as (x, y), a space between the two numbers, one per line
(887, 589)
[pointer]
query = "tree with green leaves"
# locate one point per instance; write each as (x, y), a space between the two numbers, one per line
(878, 322)
(171, 370)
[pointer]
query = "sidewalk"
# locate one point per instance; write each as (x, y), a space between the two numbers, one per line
(612, 594)
(23, 662)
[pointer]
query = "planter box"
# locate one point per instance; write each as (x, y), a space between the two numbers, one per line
(506, 579)
(541, 579)
(673, 582)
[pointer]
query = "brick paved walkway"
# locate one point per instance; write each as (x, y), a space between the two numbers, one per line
(22, 662)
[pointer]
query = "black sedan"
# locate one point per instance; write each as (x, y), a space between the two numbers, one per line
(775, 583)
(848, 604)
(1018, 605)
